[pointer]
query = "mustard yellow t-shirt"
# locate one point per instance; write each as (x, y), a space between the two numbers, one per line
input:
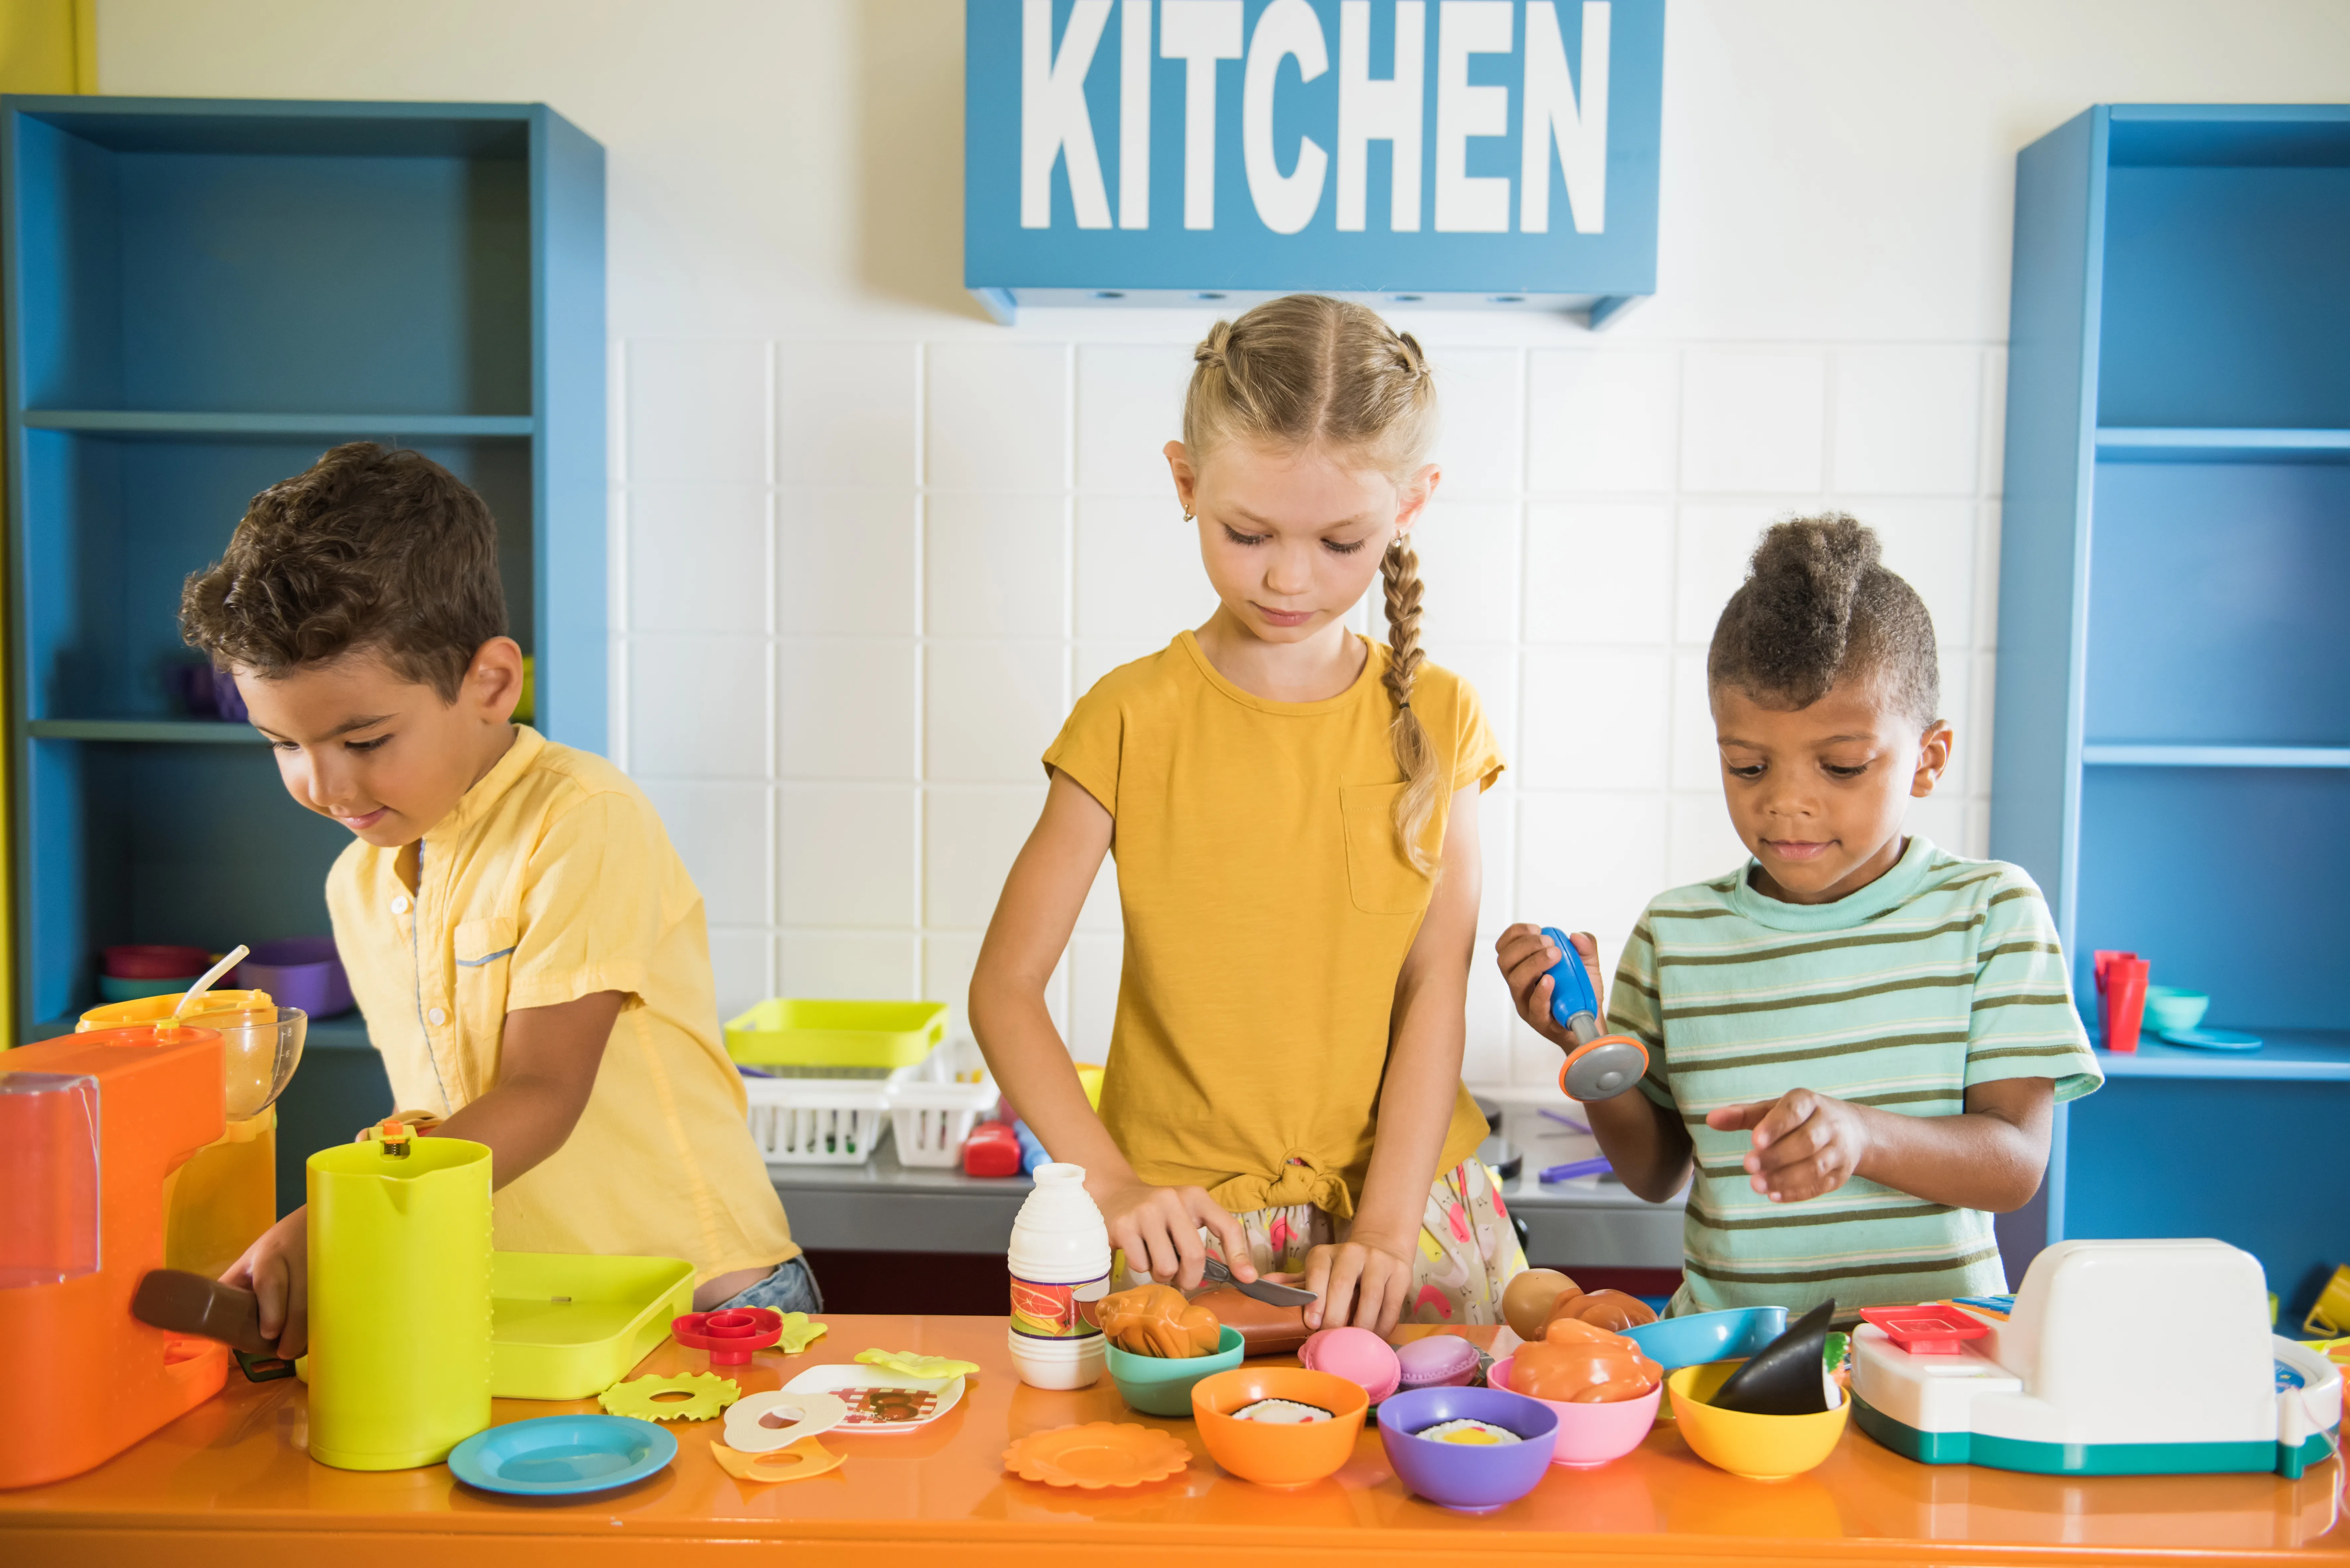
(1268, 908)
(552, 880)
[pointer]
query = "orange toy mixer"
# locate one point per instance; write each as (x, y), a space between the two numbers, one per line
(227, 1195)
(92, 1127)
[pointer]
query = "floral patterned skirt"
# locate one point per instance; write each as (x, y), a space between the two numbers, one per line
(1468, 1249)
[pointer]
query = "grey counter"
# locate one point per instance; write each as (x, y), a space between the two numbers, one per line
(883, 1206)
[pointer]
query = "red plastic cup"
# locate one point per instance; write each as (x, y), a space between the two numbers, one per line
(2124, 1006)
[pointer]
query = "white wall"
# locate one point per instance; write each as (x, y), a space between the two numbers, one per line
(869, 547)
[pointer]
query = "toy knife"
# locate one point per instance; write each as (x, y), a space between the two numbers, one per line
(1265, 1291)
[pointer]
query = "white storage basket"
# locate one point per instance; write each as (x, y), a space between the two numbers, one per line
(935, 1102)
(816, 1121)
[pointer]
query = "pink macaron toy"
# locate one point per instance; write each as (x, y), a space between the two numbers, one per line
(1357, 1354)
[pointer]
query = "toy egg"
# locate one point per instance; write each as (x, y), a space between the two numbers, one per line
(1440, 1361)
(1527, 1299)
(1278, 1453)
(1576, 1363)
(1357, 1354)
(1422, 1431)
(1611, 1310)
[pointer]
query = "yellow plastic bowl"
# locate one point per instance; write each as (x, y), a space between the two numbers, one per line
(1759, 1447)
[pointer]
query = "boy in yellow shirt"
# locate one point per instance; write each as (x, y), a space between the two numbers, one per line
(529, 952)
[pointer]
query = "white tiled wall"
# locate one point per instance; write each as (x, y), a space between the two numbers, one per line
(864, 581)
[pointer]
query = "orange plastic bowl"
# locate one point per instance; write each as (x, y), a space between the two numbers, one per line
(1279, 1455)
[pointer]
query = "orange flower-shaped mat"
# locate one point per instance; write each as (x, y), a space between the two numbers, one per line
(1098, 1454)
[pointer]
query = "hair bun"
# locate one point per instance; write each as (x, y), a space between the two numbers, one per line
(1211, 347)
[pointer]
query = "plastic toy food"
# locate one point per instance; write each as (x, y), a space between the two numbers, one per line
(1097, 1454)
(705, 1394)
(1787, 1377)
(800, 1461)
(1575, 1364)
(1059, 1262)
(1281, 1413)
(913, 1366)
(1476, 1434)
(1530, 1296)
(764, 1423)
(1155, 1320)
(1357, 1354)
(1439, 1361)
(1611, 1310)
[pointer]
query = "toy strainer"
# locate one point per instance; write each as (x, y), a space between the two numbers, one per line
(1600, 1066)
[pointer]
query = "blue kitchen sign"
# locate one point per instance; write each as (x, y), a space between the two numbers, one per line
(1446, 152)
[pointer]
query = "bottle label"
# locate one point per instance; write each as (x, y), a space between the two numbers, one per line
(1049, 1310)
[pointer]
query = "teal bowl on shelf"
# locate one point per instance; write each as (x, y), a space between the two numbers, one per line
(2169, 1008)
(114, 988)
(1160, 1384)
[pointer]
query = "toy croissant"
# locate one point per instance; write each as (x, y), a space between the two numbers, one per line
(1155, 1320)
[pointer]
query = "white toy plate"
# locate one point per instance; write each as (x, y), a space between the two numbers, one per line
(878, 1399)
(801, 1415)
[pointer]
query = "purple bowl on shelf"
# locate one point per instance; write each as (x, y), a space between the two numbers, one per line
(228, 703)
(1471, 1477)
(298, 972)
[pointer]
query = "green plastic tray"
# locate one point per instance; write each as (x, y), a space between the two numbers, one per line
(865, 1039)
(563, 1326)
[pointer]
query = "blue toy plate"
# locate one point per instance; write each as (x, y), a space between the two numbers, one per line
(2212, 1039)
(552, 1455)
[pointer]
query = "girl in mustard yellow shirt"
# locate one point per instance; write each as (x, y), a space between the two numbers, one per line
(1293, 813)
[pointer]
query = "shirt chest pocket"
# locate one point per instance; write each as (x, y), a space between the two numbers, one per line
(1381, 880)
(484, 952)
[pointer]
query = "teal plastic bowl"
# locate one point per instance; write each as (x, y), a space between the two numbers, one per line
(1161, 1385)
(2168, 1008)
(114, 988)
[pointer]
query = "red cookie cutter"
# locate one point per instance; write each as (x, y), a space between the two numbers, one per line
(1925, 1330)
(730, 1337)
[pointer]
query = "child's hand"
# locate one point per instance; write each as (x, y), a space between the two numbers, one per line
(1366, 1284)
(1157, 1228)
(1527, 957)
(1805, 1143)
(277, 1268)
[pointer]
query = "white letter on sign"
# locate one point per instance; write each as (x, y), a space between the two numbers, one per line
(1551, 111)
(1463, 206)
(1052, 114)
(1371, 111)
(1285, 204)
(1200, 33)
(1134, 115)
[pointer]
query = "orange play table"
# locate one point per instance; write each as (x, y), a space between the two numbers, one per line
(230, 1484)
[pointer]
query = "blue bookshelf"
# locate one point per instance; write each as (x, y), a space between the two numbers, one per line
(200, 297)
(2172, 750)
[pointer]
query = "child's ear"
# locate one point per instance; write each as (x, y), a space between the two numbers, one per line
(1179, 463)
(1417, 493)
(493, 681)
(1933, 757)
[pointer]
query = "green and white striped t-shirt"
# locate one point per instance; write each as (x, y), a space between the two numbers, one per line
(1940, 974)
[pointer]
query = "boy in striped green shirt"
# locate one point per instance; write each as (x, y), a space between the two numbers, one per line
(1856, 1039)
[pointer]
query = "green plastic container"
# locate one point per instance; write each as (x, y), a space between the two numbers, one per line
(1161, 1385)
(793, 1038)
(564, 1326)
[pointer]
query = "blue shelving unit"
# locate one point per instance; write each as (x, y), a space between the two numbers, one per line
(200, 297)
(2172, 755)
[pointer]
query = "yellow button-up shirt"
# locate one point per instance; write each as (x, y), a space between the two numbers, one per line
(553, 880)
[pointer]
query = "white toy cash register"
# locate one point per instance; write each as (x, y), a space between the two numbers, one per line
(2114, 1358)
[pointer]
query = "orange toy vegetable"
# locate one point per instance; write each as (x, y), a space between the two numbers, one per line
(1155, 1320)
(1576, 1363)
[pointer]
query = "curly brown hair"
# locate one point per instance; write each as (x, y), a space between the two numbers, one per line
(367, 548)
(1818, 607)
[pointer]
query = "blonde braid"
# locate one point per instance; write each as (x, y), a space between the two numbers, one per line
(1400, 571)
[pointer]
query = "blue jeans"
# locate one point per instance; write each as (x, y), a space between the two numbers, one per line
(791, 1288)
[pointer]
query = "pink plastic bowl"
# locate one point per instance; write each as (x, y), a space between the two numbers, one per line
(1590, 1435)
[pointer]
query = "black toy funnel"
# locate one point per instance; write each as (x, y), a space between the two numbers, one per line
(1786, 1376)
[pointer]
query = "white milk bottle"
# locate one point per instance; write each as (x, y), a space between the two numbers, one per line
(1059, 1261)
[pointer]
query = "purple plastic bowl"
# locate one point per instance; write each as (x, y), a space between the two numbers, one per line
(298, 972)
(1473, 1477)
